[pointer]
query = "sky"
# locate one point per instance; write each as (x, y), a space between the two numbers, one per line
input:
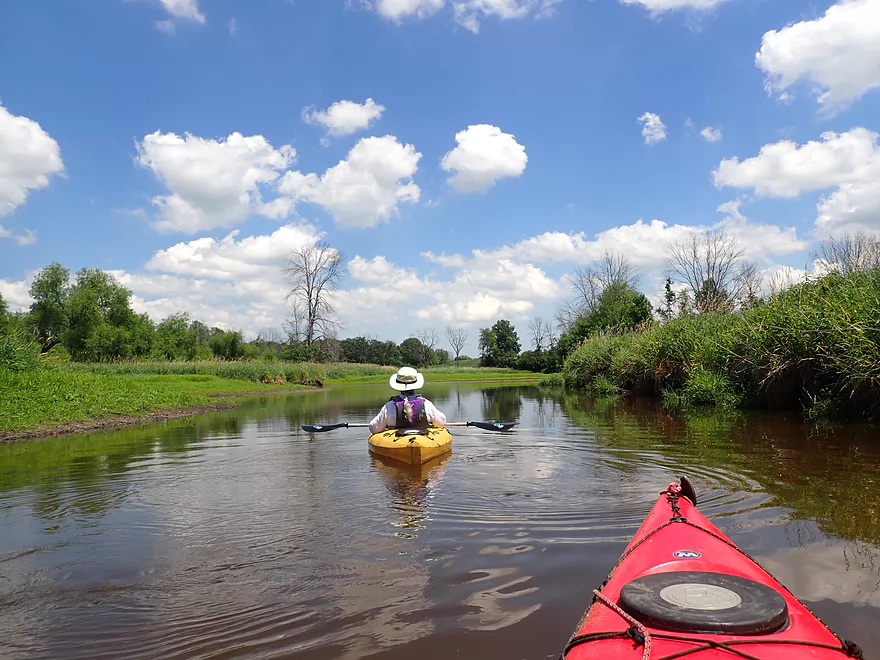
(464, 156)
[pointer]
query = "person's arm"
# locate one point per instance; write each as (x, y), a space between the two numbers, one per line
(436, 417)
(380, 421)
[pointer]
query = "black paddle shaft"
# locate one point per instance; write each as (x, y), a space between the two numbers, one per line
(486, 426)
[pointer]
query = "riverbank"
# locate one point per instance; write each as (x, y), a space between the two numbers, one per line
(47, 402)
(76, 398)
(814, 347)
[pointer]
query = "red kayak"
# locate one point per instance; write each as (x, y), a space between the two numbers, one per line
(683, 589)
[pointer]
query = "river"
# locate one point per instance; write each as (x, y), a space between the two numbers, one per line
(235, 534)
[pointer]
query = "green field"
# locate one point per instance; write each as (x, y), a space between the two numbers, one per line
(33, 399)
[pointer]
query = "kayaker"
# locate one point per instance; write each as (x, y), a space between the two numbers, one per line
(409, 409)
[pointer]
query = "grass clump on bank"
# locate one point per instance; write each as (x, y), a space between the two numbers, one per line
(815, 346)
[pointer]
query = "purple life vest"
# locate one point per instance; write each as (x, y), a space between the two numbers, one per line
(419, 413)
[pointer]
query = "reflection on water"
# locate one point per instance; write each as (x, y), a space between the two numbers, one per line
(411, 488)
(235, 534)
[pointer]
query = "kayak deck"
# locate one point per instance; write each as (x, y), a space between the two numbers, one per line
(412, 446)
(683, 589)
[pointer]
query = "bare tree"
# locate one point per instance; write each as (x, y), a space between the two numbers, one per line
(590, 281)
(711, 266)
(314, 272)
(850, 253)
(457, 337)
(429, 339)
(541, 333)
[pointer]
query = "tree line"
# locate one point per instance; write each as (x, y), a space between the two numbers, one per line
(90, 317)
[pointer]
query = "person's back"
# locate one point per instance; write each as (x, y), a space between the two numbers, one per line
(408, 409)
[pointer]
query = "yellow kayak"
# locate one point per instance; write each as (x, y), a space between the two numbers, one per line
(413, 446)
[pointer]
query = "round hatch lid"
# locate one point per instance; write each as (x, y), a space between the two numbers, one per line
(695, 601)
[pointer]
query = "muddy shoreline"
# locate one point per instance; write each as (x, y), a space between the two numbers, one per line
(114, 422)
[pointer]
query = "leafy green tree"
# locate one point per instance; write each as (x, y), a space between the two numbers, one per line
(499, 346)
(48, 312)
(100, 318)
(227, 345)
(412, 353)
(620, 308)
(441, 356)
(175, 340)
(354, 349)
(486, 345)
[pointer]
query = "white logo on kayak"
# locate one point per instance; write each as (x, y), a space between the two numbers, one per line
(686, 554)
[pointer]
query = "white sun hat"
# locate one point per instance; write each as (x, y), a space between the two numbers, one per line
(406, 379)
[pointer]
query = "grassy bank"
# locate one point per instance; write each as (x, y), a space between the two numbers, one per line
(32, 399)
(815, 346)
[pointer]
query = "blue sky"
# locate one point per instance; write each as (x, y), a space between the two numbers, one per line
(463, 160)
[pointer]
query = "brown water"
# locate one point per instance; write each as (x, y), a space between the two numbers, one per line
(235, 534)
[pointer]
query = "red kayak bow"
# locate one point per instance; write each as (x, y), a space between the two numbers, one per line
(683, 589)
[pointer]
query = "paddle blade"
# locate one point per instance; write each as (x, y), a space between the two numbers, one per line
(688, 490)
(493, 426)
(319, 428)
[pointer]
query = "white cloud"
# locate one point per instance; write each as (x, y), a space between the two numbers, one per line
(483, 288)
(661, 6)
(28, 157)
(786, 169)
(16, 293)
(710, 134)
(468, 13)
(484, 155)
(232, 26)
(839, 52)
(364, 189)
(643, 243)
(849, 162)
(230, 259)
(397, 10)
(179, 10)
(29, 237)
(213, 183)
(345, 117)
(653, 130)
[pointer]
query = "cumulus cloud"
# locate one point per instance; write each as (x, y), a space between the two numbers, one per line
(28, 158)
(849, 162)
(16, 293)
(786, 169)
(179, 10)
(365, 188)
(29, 237)
(653, 129)
(484, 156)
(231, 259)
(643, 243)
(213, 183)
(661, 6)
(345, 117)
(234, 282)
(839, 52)
(480, 290)
(710, 134)
(468, 13)
(397, 10)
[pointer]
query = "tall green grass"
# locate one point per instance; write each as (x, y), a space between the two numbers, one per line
(18, 353)
(814, 346)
